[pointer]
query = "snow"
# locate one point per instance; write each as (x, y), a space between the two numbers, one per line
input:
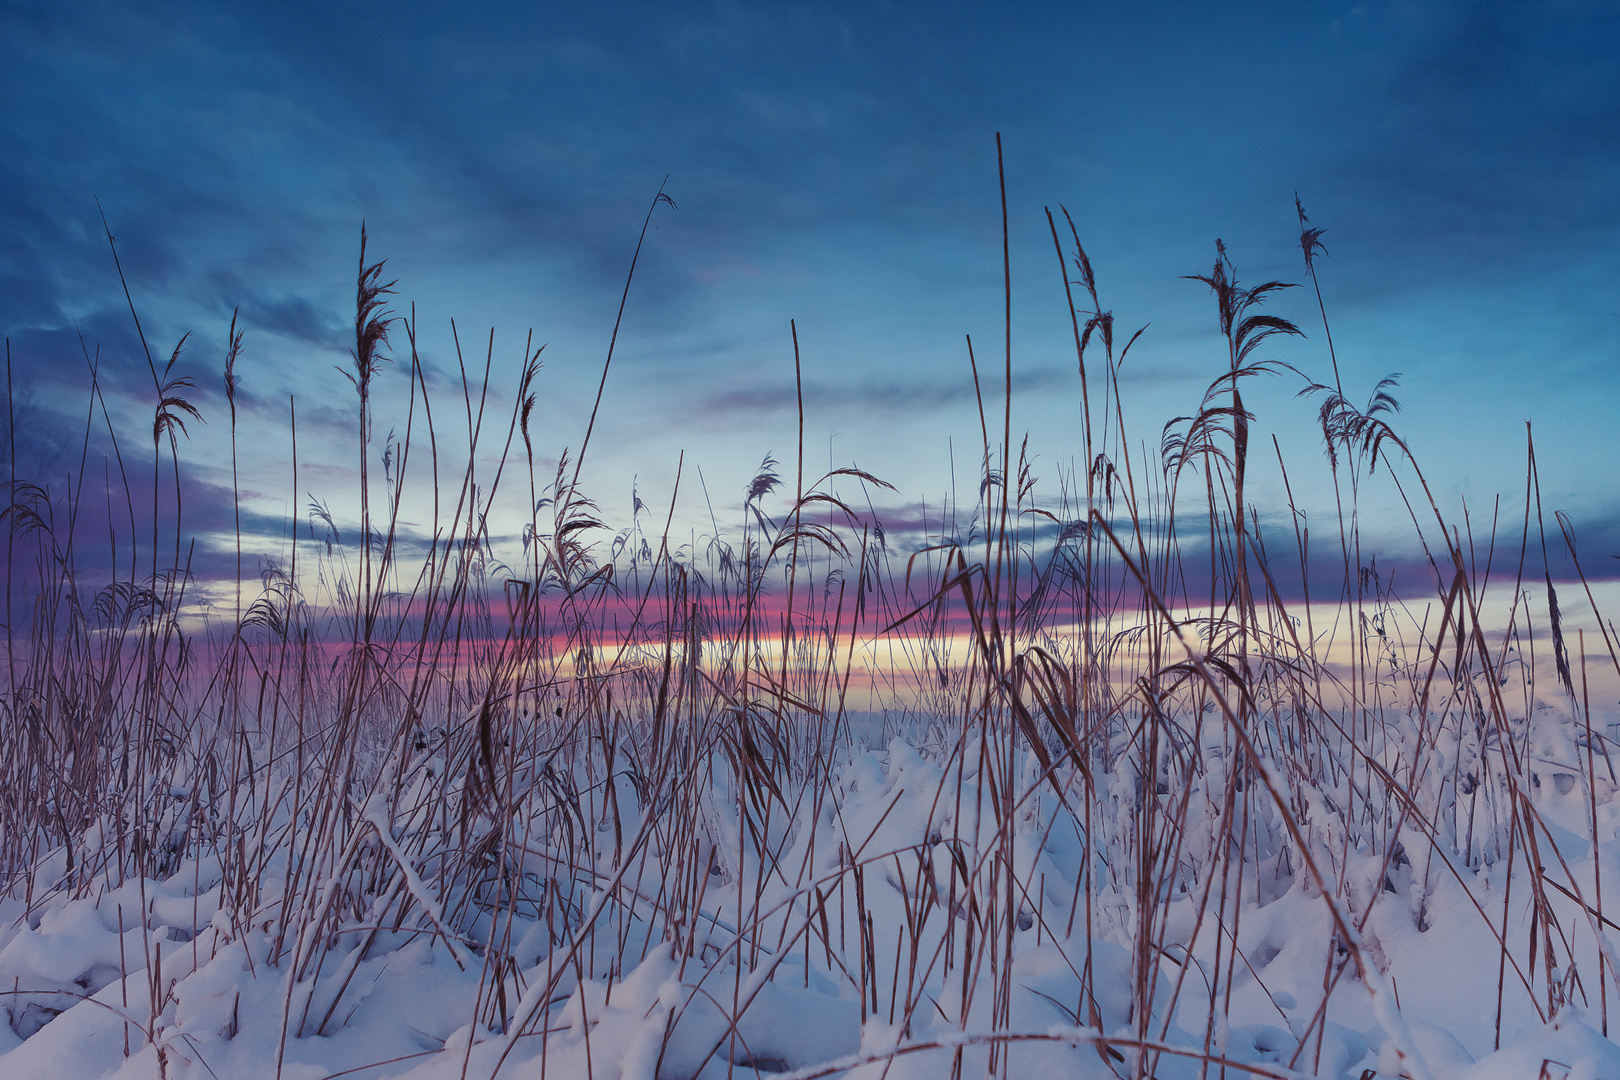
(643, 1000)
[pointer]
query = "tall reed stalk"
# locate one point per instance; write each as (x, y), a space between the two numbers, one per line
(1122, 735)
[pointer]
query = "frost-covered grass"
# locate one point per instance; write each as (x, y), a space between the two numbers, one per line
(1074, 789)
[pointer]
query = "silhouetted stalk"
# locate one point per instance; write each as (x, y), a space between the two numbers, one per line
(371, 322)
(606, 766)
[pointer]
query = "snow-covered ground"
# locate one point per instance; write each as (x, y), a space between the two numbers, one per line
(856, 922)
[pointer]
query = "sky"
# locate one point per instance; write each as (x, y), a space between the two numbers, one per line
(833, 165)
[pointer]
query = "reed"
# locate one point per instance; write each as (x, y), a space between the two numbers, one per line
(1050, 766)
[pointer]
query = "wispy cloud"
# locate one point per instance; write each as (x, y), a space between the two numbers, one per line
(913, 396)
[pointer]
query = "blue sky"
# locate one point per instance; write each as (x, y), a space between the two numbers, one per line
(833, 164)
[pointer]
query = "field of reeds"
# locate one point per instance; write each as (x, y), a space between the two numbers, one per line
(1101, 781)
